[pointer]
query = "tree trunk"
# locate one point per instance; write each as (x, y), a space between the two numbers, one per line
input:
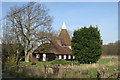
(26, 56)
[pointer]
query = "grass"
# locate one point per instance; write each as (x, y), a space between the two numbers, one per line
(100, 61)
(111, 69)
(40, 64)
(107, 60)
(92, 71)
(25, 63)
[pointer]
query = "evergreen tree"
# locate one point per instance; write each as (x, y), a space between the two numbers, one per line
(87, 44)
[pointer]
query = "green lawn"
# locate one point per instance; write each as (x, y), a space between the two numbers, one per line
(40, 64)
(92, 73)
(100, 61)
(107, 60)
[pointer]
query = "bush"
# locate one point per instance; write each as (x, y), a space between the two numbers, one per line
(87, 45)
(59, 61)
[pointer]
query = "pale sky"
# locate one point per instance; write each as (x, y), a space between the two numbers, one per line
(80, 14)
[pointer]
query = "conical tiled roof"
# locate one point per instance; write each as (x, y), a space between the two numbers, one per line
(64, 36)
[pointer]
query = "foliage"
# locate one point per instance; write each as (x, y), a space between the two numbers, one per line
(111, 48)
(87, 44)
(12, 49)
(12, 54)
(59, 61)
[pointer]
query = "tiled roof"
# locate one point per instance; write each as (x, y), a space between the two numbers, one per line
(53, 47)
(64, 36)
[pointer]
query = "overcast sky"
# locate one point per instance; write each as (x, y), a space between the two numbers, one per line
(80, 14)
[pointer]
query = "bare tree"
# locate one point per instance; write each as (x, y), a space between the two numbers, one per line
(29, 24)
(11, 47)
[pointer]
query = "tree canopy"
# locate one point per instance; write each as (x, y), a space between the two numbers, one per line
(87, 44)
(31, 23)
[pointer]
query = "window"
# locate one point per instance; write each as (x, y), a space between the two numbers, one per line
(63, 44)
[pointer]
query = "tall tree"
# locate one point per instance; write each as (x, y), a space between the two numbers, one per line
(11, 47)
(29, 22)
(87, 44)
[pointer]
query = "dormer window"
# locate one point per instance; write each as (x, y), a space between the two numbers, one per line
(63, 44)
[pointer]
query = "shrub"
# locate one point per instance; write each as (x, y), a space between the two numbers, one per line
(87, 44)
(59, 61)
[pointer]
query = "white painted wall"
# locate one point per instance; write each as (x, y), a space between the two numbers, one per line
(60, 56)
(73, 57)
(69, 56)
(64, 56)
(44, 57)
(37, 55)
